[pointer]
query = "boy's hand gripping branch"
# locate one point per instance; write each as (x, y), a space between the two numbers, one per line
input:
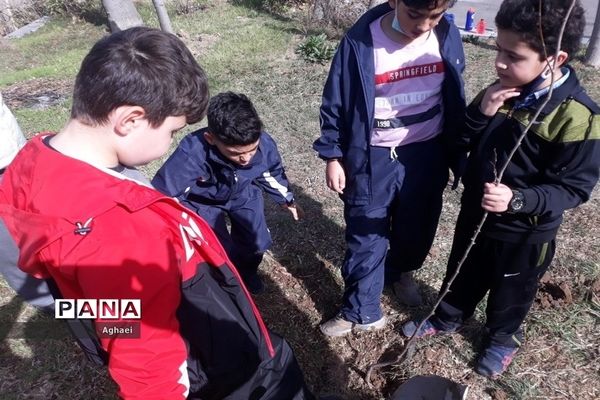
(496, 197)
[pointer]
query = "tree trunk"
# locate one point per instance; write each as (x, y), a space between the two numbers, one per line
(163, 16)
(592, 55)
(121, 14)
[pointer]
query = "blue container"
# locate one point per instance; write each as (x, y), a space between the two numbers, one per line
(469, 23)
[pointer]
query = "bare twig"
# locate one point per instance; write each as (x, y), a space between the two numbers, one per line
(498, 179)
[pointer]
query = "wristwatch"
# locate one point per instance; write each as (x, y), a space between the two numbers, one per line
(516, 203)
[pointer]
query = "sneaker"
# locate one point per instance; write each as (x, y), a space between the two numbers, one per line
(495, 360)
(254, 284)
(406, 290)
(338, 326)
(409, 328)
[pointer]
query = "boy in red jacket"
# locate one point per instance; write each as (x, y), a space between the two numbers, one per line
(95, 234)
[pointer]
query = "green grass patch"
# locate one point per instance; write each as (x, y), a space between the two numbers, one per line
(54, 51)
(50, 119)
(316, 49)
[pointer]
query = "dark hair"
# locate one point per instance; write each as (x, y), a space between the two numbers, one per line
(428, 4)
(140, 67)
(523, 17)
(233, 119)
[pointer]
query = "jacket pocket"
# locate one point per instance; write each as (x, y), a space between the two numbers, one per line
(358, 190)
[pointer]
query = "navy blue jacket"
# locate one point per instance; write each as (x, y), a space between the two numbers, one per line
(555, 167)
(348, 104)
(197, 172)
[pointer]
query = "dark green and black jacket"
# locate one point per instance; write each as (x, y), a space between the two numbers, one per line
(556, 167)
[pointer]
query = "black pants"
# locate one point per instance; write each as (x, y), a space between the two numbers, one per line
(509, 271)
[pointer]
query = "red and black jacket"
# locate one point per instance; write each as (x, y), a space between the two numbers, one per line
(98, 235)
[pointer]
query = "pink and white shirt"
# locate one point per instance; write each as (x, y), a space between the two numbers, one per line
(408, 90)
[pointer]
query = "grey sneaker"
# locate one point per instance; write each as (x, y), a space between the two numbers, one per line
(409, 329)
(407, 290)
(428, 329)
(338, 326)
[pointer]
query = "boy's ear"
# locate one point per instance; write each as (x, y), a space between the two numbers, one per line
(563, 56)
(560, 60)
(209, 137)
(393, 3)
(125, 119)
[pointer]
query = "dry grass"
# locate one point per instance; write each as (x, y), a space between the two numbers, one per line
(304, 285)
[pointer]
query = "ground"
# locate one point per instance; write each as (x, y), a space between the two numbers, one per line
(561, 357)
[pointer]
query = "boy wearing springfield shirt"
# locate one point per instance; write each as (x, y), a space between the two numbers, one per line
(393, 100)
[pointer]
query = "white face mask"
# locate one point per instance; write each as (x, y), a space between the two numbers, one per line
(396, 23)
(396, 26)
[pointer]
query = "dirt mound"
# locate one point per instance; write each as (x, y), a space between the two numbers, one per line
(553, 294)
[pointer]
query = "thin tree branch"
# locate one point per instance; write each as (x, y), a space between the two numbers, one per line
(499, 176)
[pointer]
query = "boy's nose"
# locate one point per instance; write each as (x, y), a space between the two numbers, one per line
(499, 62)
(427, 24)
(423, 27)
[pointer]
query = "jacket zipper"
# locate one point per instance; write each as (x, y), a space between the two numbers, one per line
(510, 113)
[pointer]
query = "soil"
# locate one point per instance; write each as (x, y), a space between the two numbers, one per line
(37, 93)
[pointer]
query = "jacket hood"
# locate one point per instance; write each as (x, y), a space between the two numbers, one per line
(46, 195)
(571, 88)
(360, 31)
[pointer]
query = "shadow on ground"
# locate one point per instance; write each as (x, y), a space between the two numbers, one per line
(39, 359)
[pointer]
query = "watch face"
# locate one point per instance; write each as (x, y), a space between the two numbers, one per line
(517, 202)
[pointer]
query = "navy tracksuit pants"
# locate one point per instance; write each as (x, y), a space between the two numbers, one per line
(402, 217)
(249, 237)
(510, 272)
